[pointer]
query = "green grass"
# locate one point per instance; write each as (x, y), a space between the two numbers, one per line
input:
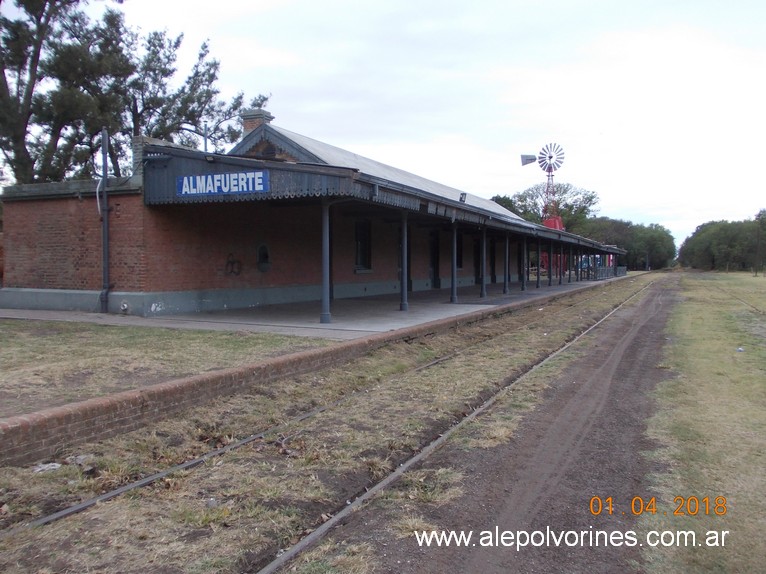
(712, 425)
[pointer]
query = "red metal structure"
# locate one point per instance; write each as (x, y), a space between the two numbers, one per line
(550, 159)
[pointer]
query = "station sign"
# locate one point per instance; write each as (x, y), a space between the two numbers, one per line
(223, 183)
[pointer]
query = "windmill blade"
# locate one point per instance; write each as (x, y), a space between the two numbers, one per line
(551, 157)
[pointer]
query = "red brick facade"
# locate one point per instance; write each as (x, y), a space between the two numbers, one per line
(215, 246)
(56, 244)
(52, 244)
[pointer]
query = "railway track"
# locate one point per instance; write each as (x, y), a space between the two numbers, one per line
(317, 535)
(730, 295)
(438, 390)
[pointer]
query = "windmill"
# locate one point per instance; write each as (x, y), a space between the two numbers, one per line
(550, 159)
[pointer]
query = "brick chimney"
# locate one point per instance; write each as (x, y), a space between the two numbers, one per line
(251, 119)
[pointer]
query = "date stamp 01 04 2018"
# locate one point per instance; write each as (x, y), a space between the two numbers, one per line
(684, 506)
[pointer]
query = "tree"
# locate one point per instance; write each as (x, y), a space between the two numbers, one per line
(181, 115)
(573, 204)
(724, 245)
(647, 247)
(607, 231)
(90, 70)
(760, 235)
(65, 77)
(650, 247)
(22, 45)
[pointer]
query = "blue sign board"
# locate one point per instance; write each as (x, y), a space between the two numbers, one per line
(223, 183)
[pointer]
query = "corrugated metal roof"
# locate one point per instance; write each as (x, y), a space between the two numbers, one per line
(336, 156)
(343, 158)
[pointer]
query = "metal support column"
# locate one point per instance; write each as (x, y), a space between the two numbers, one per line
(561, 263)
(105, 281)
(404, 305)
(483, 266)
(571, 262)
(524, 264)
(453, 288)
(506, 264)
(539, 249)
(550, 263)
(325, 316)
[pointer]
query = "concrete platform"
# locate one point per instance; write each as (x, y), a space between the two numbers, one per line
(351, 318)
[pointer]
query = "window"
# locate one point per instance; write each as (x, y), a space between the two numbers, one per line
(264, 261)
(363, 244)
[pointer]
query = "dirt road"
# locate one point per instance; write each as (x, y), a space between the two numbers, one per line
(586, 438)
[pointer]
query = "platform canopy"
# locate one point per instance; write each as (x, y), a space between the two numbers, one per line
(271, 163)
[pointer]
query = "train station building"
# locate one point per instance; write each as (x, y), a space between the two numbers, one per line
(282, 218)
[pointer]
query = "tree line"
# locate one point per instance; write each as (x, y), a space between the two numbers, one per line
(65, 77)
(648, 246)
(726, 245)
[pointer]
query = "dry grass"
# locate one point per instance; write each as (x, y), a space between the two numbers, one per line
(243, 506)
(336, 559)
(712, 424)
(431, 486)
(45, 364)
(408, 523)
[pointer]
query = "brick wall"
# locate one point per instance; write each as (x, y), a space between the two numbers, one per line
(127, 245)
(386, 251)
(384, 244)
(35, 436)
(189, 246)
(420, 252)
(52, 244)
(56, 244)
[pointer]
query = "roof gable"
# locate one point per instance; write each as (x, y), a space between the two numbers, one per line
(269, 142)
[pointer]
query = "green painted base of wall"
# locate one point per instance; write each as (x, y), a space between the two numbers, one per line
(176, 302)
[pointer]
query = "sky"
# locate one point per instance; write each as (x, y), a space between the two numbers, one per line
(659, 105)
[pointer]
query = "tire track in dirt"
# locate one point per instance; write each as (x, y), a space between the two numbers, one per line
(569, 428)
(565, 432)
(546, 477)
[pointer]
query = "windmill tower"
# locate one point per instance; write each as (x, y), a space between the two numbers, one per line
(550, 159)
